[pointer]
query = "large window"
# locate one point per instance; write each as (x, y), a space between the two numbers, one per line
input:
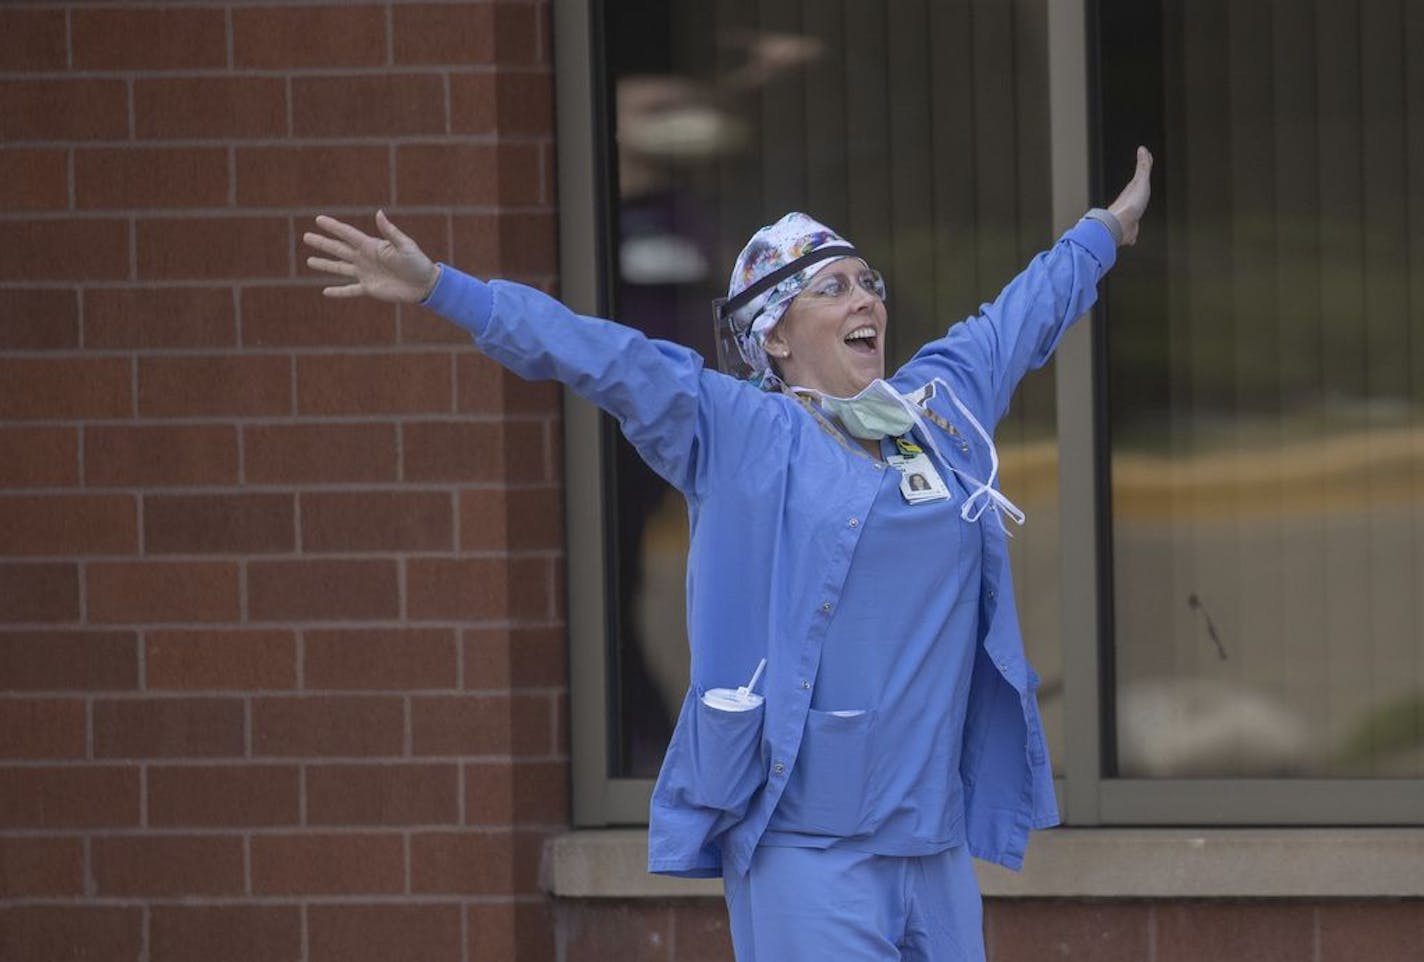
(1224, 608)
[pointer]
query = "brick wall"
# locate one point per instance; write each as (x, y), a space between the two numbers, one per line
(280, 617)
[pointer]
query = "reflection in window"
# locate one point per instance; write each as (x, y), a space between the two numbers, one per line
(1267, 364)
(917, 130)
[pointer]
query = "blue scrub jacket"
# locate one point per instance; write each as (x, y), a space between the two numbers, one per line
(776, 507)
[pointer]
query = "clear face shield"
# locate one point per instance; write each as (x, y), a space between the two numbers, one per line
(732, 318)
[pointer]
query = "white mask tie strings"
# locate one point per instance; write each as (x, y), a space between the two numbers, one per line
(984, 495)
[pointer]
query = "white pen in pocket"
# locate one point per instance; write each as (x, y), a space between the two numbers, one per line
(736, 699)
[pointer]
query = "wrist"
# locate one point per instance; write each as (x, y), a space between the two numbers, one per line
(430, 287)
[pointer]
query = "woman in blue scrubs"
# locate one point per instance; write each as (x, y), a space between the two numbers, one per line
(848, 535)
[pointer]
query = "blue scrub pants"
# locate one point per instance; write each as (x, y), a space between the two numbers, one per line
(814, 905)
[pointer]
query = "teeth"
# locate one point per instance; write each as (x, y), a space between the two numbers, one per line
(860, 332)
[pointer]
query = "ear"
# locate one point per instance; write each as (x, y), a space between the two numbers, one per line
(776, 345)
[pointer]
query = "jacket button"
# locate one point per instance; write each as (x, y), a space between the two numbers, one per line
(805, 685)
(855, 522)
(993, 593)
(825, 606)
(778, 768)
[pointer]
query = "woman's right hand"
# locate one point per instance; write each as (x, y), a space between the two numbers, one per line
(389, 268)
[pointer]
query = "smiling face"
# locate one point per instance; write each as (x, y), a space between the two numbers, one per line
(832, 337)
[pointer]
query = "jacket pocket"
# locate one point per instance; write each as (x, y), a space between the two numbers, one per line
(828, 790)
(726, 756)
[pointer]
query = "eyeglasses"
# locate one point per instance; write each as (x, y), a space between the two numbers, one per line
(832, 287)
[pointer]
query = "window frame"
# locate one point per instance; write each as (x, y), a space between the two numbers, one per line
(1086, 797)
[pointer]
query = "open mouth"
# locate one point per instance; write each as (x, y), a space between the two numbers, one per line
(862, 340)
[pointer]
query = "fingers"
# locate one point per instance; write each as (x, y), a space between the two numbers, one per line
(342, 230)
(345, 290)
(391, 232)
(329, 245)
(332, 267)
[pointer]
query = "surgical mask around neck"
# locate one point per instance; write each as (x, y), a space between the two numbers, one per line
(877, 412)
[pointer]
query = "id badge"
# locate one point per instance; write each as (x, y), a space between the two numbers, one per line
(919, 481)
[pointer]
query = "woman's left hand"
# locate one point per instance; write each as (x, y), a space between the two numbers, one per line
(1132, 202)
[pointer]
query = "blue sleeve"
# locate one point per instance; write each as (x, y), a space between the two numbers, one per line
(988, 354)
(689, 424)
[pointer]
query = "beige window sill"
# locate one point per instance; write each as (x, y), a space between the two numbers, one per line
(1082, 863)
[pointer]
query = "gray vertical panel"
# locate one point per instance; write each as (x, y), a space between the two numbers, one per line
(952, 140)
(994, 145)
(1297, 273)
(1393, 648)
(1347, 615)
(911, 265)
(1257, 650)
(783, 119)
(867, 129)
(1414, 147)
(826, 184)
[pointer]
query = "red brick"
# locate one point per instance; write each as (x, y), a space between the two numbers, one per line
(163, 317)
(150, 177)
(382, 794)
(169, 728)
(307, 453)
(1378, 931)
(69, 525)
(39, 320)
(219, 524)
(383, 933)
(483, 387)
(223, 796)
(223, 108)
(33, 40)
(342, 36)
(470, 174)
(525, 103)
(474, 107)
(87, 796)
(160, 455)
(221, 386)
(39, 592)
(432, 233)
(33, 179)
(516, 34)
(519, 930)
(504, 793)
(322, 590)
(70, 250)
(628, 932)
(225, 933)
(70, 933)
(327, 864)
(301, 317)
(220, 659)
(374, 384)
(55, 109)
(40, 728)
(39, 457)
(148, 39)
(479, 588)
(310, 177)
(377, 521)
(459, 451)
(511, 519)
(380, 659)
(162, 591)
(465, 863)
(327, 726)
(168, 865)
(502, 658)
(385, 105)
(419, 326)
(41, 866)
(505, 245)
(481, 725)
(66, 660)
(235, 247)
(1260, 931)
(70, 387)
(444, 33)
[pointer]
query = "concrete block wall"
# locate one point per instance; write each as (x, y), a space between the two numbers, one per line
(281, 638)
